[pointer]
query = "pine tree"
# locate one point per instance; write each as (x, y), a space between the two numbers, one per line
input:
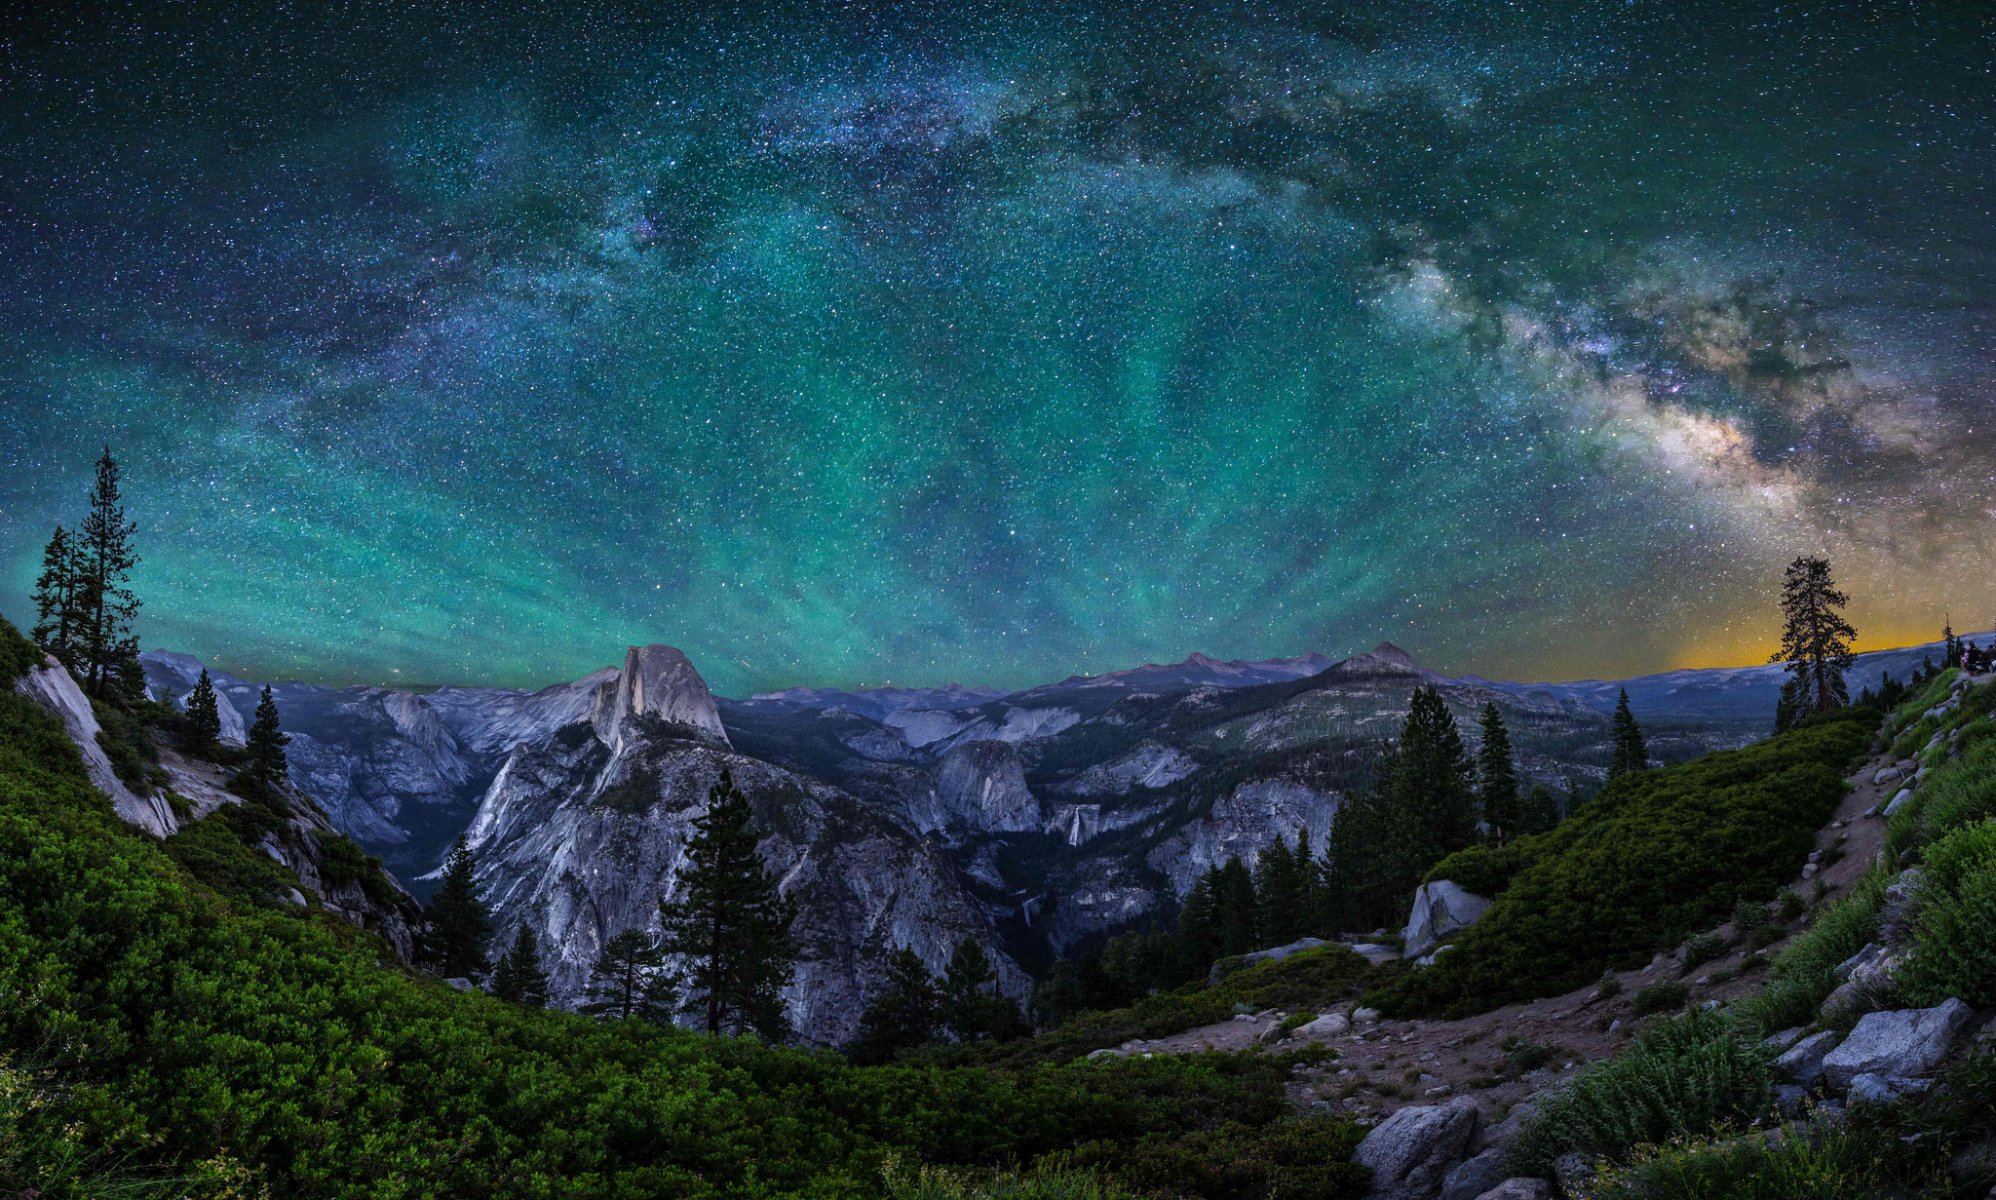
(1497, 779)
(627, 981)
(1280, 894)
(1815, 638)
(458, 919)
(1631, 752)
(105, 648)
(204, 717)
(55, 598)
(1788, 707)
(519, 975)
(973, 1009)
(903, 1015)
(266, 741)
(1237, 904)
(1309, 879)
(1431, 781)
(1539, 811)
(729, 923)
(1198, 939)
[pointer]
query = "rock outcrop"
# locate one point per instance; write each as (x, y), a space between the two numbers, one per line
(981, 787)
(1441, 910)
(51, 686)
(660, 683)
(1902, 1043)
(1411, 1153)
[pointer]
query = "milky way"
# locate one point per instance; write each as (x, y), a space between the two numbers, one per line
(993, 343)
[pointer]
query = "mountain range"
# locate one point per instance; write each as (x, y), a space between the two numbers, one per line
(1029, 821)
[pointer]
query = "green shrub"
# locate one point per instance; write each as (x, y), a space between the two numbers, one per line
(1665, 995)
(1790, 903)
(1954, 928)
(1610, 986)
(1843, 1161)
(1754, 926)
(1692, 1074)
(935, 1183)
(1307, 1159)
(1703, 949)
(1960, 792)
(18, 656)
(1803, 973)
(1656, 857)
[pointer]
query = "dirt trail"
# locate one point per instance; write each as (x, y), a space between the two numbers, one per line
(1503, 1056)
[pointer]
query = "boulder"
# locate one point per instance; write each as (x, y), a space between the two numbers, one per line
(1883, 1089)
(1803, 1062)
(1365, 1016)
(1376, 953)
(1328, 1025)
(1791, 1102)
(1480, 1174)
(1520, 1188)
(1863, 960)
(1898, 801)
(1885, 775)
(1441, 909)
(1573, 1171)
(1909, 1042)
(1784, 1039)
(1227, 966)
(1411, 1153)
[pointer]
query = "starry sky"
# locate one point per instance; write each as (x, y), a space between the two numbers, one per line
(848, 344)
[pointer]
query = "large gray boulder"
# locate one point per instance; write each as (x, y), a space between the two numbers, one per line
(1520, 1188)
(1228, 966)
(1905, 1042)
(1411, 1153)
(1441, 910)
(1803, 1062)
(1478, 1175)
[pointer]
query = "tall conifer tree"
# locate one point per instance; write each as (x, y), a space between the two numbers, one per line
(266, 742)
(1497, 778)
(55, 598)
(105, 648)
(459, 921)
(204, 716)
(519, 975)
(1631, 751)
(1815, 638)
(729, 924)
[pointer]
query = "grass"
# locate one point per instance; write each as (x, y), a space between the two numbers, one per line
(1692, 1074)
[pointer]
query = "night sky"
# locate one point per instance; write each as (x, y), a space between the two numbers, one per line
(970, 342)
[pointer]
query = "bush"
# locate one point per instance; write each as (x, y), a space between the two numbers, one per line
(1790, 903)
(1665, 995)
(1692, 1074)
(1954, 938)
(1703, 949)
(1307, 1159)
(935, 1183)
(1803, 973)
(1843, 1161)
(1754, 926)
(1656, 857)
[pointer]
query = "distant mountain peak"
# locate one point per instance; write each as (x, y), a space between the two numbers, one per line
(1389, 652)
(658, 681)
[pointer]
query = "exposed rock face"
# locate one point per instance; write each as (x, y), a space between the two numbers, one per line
(1441, 910)
(583, 834)
(52, 687)
(1242, 824)
(1412, 1152)
(657, 682)
(1906, 1042)
(1520, 1188)
(982, 786)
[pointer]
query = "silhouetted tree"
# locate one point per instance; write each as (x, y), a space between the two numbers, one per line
(1235, 897)
(1497, 779)
(459, 923)
(55, 597)
(973, 1009)
(1951, 645)
(1815, 638)
(729, 923)
(628, 981)
(105, 649)
(1198, 940)
(1281, 895)
(204, 716)
(519, 975)
(1539, 811)
(266, 741)
(905, 1013)
(1631, 751)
